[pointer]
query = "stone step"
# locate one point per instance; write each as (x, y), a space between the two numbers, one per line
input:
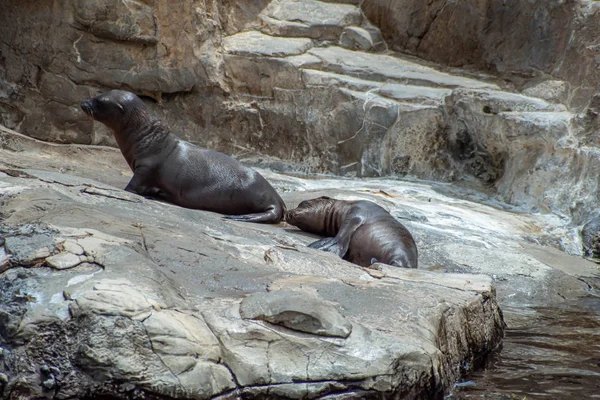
(383, 67)
(261, 62)
(256, 59)
(395, 91)
(365, 38)
(376, 115)
(309, 18)
(256, 44)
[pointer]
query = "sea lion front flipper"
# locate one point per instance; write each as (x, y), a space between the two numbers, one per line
(341, 241)
(319, 244)
(331, 245)
(138, 183)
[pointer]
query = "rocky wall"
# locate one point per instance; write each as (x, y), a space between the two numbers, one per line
(311, 86)
(522, 41)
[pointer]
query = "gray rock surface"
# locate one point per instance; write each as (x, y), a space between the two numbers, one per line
(297, 311)
(177, 303)
(157, 309)
(544, 40)
(309, 18)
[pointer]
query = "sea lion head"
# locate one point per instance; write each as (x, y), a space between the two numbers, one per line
(311, 215)
(115, 108)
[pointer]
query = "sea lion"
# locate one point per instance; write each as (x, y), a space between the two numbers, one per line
(179, 172)
(359, 231)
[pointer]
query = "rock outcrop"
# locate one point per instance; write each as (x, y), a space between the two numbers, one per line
(105, 293)
(527, 42)
(311, 83)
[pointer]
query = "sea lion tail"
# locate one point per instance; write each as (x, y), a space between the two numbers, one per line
(272, 216)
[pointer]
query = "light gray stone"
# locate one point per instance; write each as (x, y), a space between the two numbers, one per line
(71, 246)
(381, 67)
(64, 260)
(550, 90)
(119, 298)
(356, 38)
(297, 311)
(309, 18)
(258, 44)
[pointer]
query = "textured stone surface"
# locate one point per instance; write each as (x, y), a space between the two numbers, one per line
(309, 18)
(182, 304)
(297, 311)
(553, 38)
(259, 44)
(63, 260)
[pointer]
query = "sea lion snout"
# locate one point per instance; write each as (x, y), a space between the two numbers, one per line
(289, 216)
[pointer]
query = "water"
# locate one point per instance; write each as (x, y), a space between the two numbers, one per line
(548, 353)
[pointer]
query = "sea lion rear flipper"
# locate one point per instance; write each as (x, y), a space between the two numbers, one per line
(273, 216)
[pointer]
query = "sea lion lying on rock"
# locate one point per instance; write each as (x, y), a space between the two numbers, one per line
(359, 231)
(179, 172)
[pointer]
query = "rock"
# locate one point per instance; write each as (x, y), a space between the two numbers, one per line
(381, 67)
(71, 246)
(164, 316)
(590, 234)
(309, 18)
(64, 260)
(115, 20)
(49, 383)
(259, 44)
(114, 298)
(356, 38)
(550, 90)
(555, 38)
(30, 244)
(297, 311)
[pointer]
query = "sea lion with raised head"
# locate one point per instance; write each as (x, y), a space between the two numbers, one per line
(179, 172)
(358, 231)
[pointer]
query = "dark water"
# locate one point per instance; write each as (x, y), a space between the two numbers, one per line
(548, 353)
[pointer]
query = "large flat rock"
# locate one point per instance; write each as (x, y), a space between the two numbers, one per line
(181, 303)
(258, 44)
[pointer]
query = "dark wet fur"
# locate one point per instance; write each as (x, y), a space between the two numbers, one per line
(179, 172)
(358, 231)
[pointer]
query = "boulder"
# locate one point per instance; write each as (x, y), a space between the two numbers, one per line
(179, 303)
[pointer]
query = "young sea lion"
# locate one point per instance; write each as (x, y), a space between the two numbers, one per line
(359, 231)
(179, 172)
